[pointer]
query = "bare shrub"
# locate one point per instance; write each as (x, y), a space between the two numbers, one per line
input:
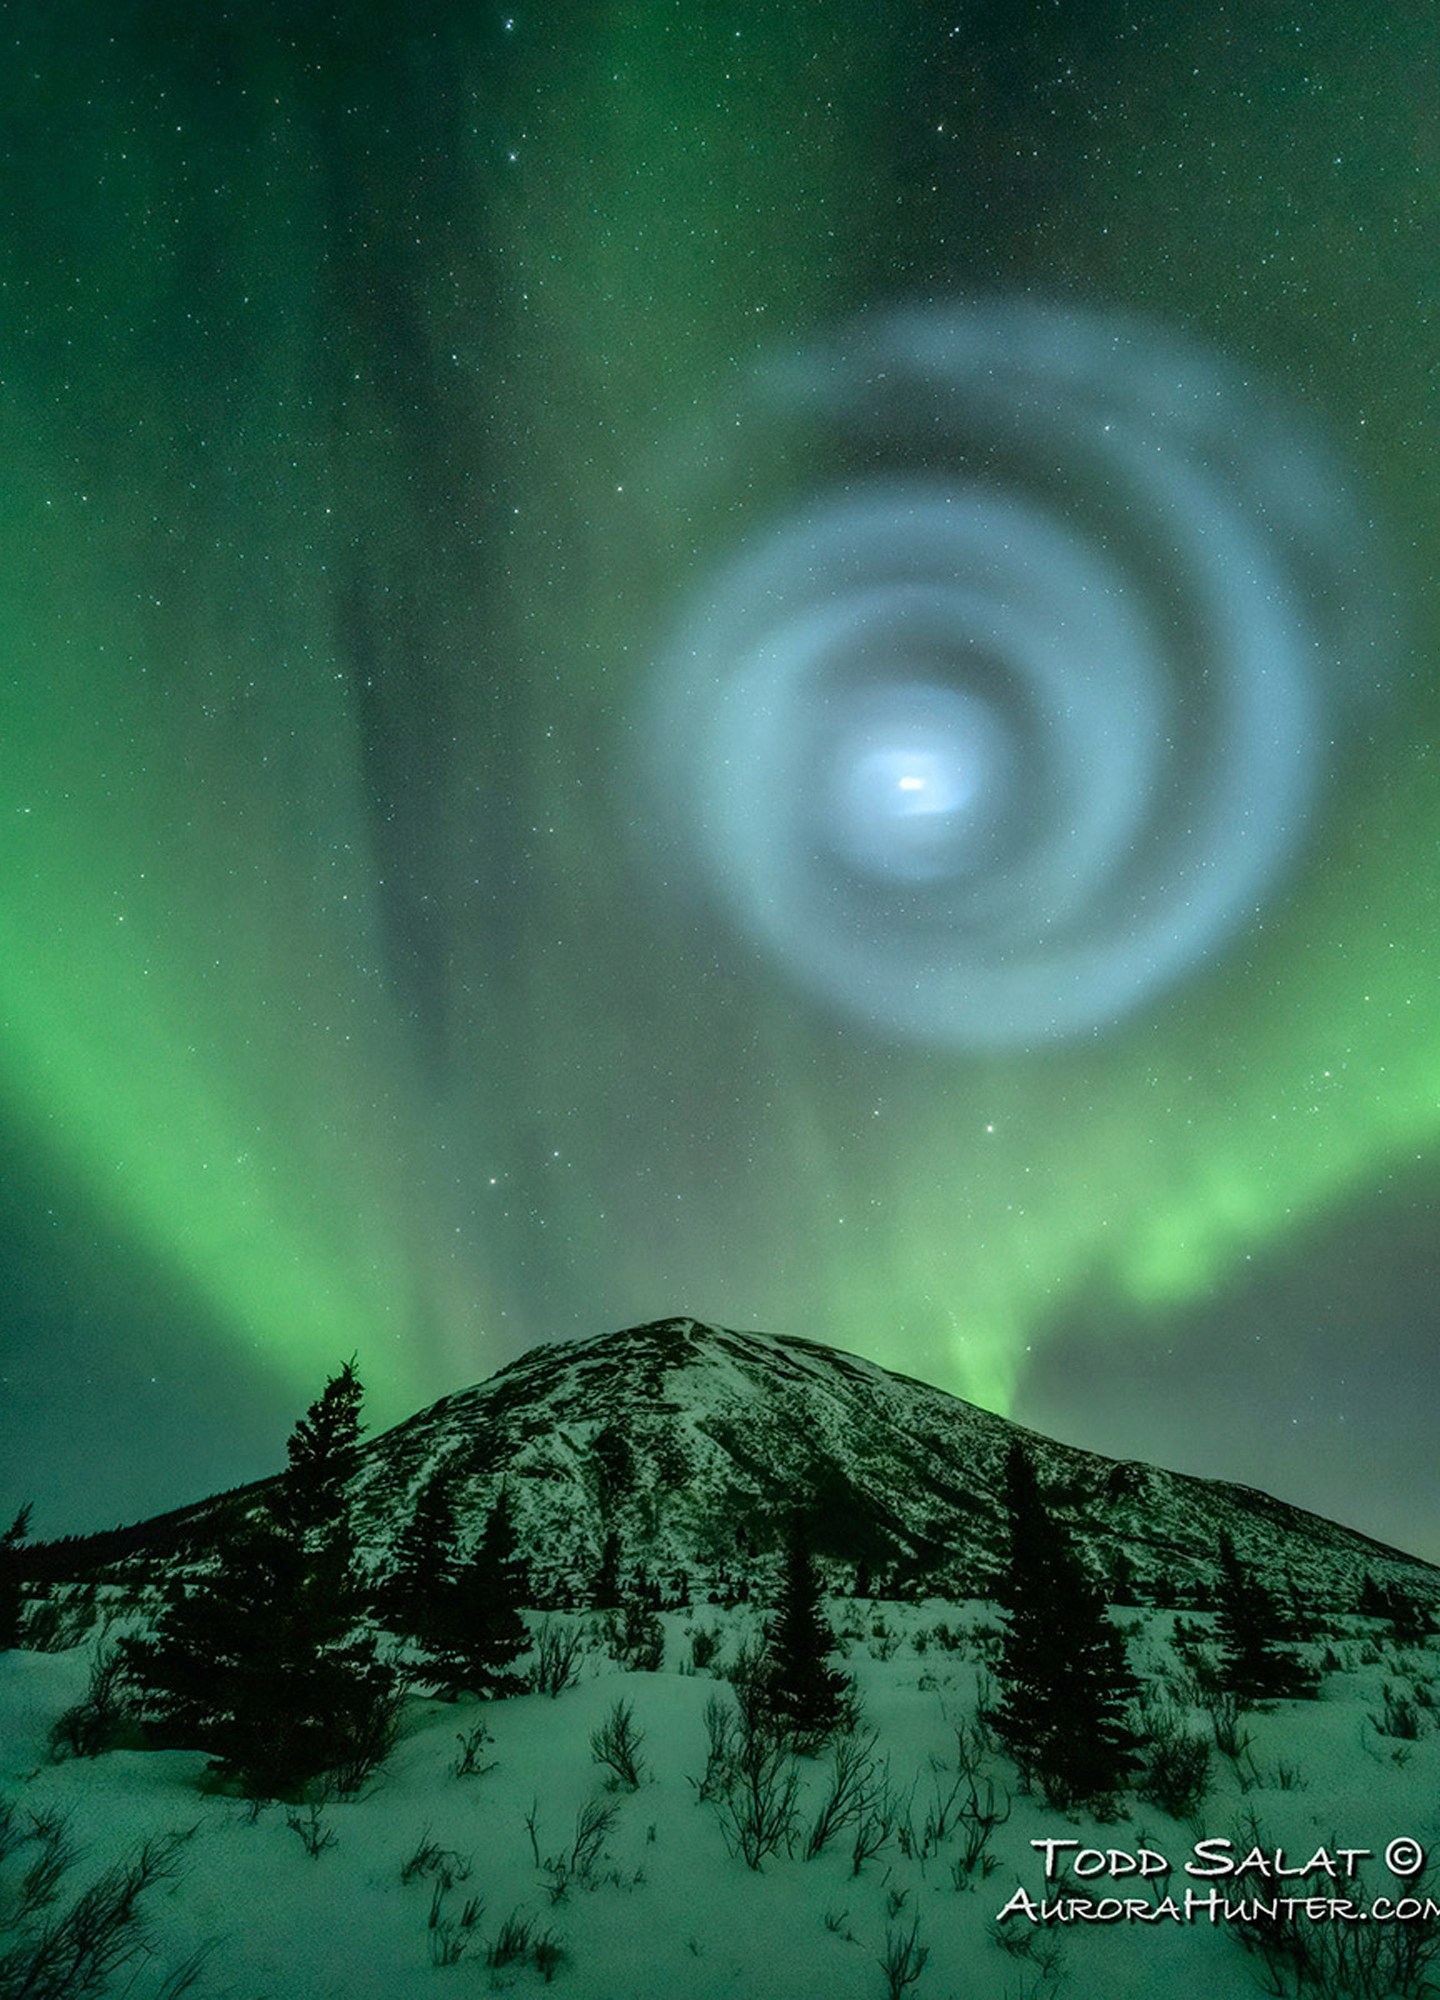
(473, 1742)
(372, 1727)
(1231, 1740)
(616, 1743)
(855, 1783)
(987, 1710)
(884, 1639)
(1042, 1950)
(1176, 1775)
(1399, 1714)
(1339, 1961)
(720, 1728)
(431, 1859)
(756, 1802)
(1285, 1777)
(61, 1619)
(988, 1639)
(977, 1818)
(558, 1651)
(637, 1637)
(315, 1835)
(547, 1955)
(852, 1784)
(875, 1823)
(940, 1814)
(40, 1884)
(78, 1951)
(511, 1943)
(704, 1646)
(103, 1718)
(746, 1674)
(519, 1939)
(450, 1936)
(579, 1861)
(904, 1958)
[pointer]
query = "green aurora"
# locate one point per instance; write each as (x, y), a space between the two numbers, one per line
(370, 402)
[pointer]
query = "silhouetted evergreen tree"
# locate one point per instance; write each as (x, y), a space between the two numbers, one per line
(321, 1451)
(1256, 1663)
(1065, 1680)
(637, 1636)
(423, 1573)
(261, 1661)
(12, 1598)
(801, 1692)
(1410, 1622)
(478, 1629)
(606, 1594)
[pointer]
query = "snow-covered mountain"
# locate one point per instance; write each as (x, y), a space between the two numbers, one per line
(504, 1833)
(692, 1445)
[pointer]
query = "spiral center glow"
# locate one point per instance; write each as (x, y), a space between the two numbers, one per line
(917, 778)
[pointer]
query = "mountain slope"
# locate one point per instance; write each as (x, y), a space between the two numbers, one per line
(692, 1444)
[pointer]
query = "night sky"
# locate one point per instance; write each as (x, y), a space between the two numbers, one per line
(769, 662)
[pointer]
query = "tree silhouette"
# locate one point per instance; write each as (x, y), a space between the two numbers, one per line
(261, 1661)
(605, 1595)
(801, 1692)
(1410, 1623)
(321, 1448)
(477, 1628)
(12, 1601)
(423, 1573)
(1065, 1678)
(1255, 1662)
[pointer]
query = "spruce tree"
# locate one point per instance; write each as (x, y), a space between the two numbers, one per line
(477, 1630)
(423, 1572)
(606, 1594)
(1255, 1662)
(12, 1599)
(321, 1449)
(1065, 1678)
(260, 1661)
(801, 1692)
(185, 1673)
(1410, 1623)
(636, 1635)
(1372, 1598)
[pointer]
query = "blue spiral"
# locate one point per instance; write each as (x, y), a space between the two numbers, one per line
(1024, 713)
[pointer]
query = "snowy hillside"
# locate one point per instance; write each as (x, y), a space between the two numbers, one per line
(537, 1868)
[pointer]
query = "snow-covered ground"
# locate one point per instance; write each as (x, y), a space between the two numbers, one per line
(427, 1864)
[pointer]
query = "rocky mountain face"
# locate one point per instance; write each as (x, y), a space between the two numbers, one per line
(691, 1446)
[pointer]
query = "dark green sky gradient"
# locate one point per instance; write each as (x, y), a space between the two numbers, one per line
(369, 402)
